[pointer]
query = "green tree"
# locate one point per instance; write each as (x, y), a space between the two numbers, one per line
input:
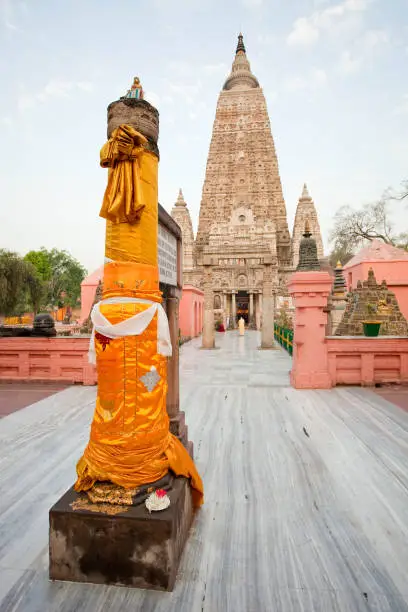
(36, 288)
(20, 286)
(12, 277)
(41, 261)
(61, 273)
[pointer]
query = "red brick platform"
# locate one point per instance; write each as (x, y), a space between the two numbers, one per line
(396, 394)
(17, 395)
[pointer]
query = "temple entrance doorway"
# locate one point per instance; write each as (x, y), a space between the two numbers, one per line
(243, 306)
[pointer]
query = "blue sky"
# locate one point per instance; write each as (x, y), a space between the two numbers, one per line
(334, 74)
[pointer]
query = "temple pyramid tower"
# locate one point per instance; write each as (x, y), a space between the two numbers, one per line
(243, 252)
(242, 225)
(181, 215)
(306, 212)
(242, 168)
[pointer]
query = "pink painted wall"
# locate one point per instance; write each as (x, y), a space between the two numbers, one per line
(191, 311)
(366, 361)
(46, 359)
(88, 290)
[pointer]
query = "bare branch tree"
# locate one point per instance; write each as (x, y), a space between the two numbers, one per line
(401, 194)
(352, 228)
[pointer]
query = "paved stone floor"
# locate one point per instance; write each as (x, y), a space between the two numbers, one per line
(306, 494)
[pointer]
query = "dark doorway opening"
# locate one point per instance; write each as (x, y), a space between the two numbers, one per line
(242, 299)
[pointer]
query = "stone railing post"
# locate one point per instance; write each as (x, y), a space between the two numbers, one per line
(208, 328)
(310, 291)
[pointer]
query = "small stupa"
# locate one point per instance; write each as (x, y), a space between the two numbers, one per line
(308, 259)
(339, 285)
(371, 301)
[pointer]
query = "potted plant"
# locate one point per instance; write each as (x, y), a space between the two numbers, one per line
(371, 325)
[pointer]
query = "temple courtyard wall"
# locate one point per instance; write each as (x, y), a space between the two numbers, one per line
(191, 312)
(61, 359)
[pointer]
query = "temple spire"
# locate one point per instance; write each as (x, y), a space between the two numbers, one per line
(240, 45)
(241, 76)
(180, 200)
(305, 193)
(305, 211)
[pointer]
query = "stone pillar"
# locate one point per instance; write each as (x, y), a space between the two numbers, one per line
(173, 395)
(208, 329)
(224, 308)
(268, 310)
(252, 324)
(233, 311)
(258, 314)
(178, 425)
(310, 291)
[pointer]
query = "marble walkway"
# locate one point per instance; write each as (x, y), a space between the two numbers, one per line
(306, 504)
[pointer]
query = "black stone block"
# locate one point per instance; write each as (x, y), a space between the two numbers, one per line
(132, 548)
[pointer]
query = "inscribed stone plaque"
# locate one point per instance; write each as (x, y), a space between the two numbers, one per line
(167, 245)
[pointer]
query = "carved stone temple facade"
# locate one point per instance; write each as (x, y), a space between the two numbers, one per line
(243, 227)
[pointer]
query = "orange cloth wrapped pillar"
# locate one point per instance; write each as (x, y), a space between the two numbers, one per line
(130, 443)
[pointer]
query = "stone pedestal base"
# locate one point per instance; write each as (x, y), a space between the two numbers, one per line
(268, 347)
(91, 543)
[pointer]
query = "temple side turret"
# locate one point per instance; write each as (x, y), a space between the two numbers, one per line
(306, 211)
(181, 215)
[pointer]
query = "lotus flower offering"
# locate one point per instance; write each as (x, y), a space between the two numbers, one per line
(159, 500)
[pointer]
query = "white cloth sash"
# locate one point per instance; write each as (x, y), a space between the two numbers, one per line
(134, 326)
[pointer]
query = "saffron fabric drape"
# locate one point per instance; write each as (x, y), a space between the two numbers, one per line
(130, 442)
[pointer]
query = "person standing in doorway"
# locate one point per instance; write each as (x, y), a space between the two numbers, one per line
(241, 326)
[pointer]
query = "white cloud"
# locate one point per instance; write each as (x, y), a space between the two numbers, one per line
(294, 83)
(85, 86)
(187, 91)
(153, 98)
(252, 3)
(265, 39)
(375, 38)
(180, 68)
(11, 13)
(56, 88)
(317, 77)
(6, 121)
(213, 69)
(304, 32)
(307, 30)
(364, 50)
(348, 63)
(402, 108)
